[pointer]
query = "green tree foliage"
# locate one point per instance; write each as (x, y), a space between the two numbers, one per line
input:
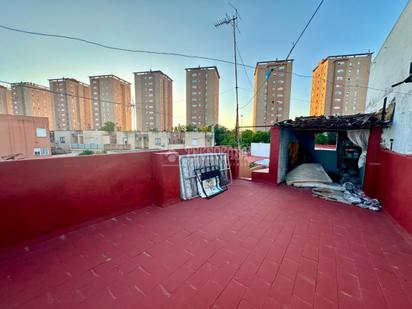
(109, 126)
(325, 138)
(224, 136)
(246, 138)
(190, 128)
(86, 153)
(261, 137)
(205, 129)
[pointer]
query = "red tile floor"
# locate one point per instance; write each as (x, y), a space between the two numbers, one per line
(254, 246)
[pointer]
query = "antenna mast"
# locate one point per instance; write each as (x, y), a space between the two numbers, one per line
(233, 21)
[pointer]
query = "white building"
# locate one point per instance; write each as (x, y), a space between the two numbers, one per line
(77, 141)
(392, 65)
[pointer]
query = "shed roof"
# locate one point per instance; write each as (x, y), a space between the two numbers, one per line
(346, 122)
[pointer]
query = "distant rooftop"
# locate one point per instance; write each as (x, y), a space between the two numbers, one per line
(67, 78)
(204, 68)
(360, 55)
(30, 84)
(153, 72)
(349, 56)
(277, 62)
(109, 76)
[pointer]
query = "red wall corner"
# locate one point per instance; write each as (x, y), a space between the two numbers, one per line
(166, 183)
(272, 175)
(372, 164)
(394, 185)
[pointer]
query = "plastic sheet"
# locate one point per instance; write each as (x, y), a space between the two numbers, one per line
(349, 194)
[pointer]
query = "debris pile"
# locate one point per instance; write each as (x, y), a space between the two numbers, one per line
(312, 175)
(349, 194)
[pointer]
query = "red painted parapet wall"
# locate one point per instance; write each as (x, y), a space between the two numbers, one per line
(272, 175)
(41, 196)
(393, 186)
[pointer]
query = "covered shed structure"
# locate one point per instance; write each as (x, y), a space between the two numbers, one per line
(352, 156)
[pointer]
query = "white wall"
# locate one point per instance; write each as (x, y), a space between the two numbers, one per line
(260, 149)
(390, 66)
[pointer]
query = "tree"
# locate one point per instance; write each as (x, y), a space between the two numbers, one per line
(246, 138)
(205, 129)
(190, 128)
(220, 134)
(261, 137)
(325, 138)
(109, 126)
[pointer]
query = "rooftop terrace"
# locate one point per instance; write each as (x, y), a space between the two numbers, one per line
(256, 245)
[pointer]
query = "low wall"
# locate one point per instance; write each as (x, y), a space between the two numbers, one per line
(44, 195)
(393, 185)
(272, 174)
(41, 196)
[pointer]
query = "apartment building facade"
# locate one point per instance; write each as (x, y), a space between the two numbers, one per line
(154, 101)
(24, 137)
(120, 141)
(273, 81)
(202, 96)
(29, 99)
(72, 106)
(111, 101)
(6, 106)
(339, 85)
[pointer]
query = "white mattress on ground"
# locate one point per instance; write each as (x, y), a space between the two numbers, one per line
(308, 173)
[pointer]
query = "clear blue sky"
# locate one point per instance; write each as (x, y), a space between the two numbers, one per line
(267, 30)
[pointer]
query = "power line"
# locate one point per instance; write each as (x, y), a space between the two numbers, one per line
(244, 67)
(86, 98)
(60, 36)
(157, 52)
(327, 81)
(304, 29)
(187, 55)
(101, 100)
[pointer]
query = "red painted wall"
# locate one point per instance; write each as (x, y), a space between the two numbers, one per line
(41, 196)
(166, 176)
(371, 177)
(272, 176)
(393, 185)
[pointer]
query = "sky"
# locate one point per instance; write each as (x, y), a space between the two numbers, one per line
(267, 30)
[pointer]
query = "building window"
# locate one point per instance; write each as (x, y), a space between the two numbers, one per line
(41, 132)
(158, 141)
(195, 142)
(62, 140)
(37, 151)
(45, 151)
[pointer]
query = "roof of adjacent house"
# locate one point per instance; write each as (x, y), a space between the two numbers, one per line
(346, 122)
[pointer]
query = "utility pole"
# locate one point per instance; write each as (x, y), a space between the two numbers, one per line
(226, 21)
